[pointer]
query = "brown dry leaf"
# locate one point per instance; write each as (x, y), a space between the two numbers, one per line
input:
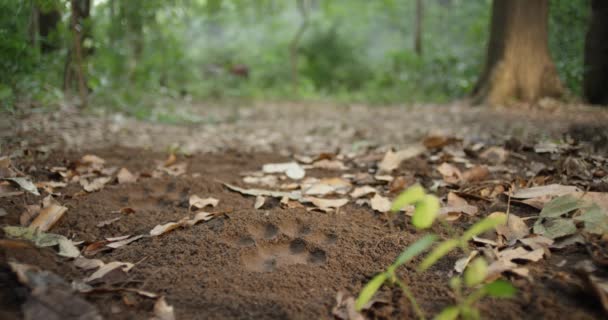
(437, 141)
(329, 165)
(463, 262)
(537, 242)
(384, 178)
(126, 210)
(455, 206)
(392, 160)
(92, 159)
(495, 155)
(599, 198)
(88, 264)
(269, 181)
(50, 213)
(552, 190)
(293, 195)
(174, 170)
(50, 186)
(95, 184)
(164, 228)
(326, 205)
(450, 173)
(106, 268)
(499, 266)
(200, 203)
(521, 253)
(162, 310)
(397, 185)
(31, 211)
(363, 191)
(515, 228)
(259, 202)
(125, 176)
(477, 173)
(380, 203)
(171, 159)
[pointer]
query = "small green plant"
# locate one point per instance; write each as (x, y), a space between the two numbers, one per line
(425, 214)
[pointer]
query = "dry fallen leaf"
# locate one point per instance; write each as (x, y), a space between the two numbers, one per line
(88, 264)
(106, 268)
(123, 242)
(107, 222)
(95, 184)
(463, 262)
(537, 242)
(125, 176)
(164, 228)
(200, 203)
(326, 205)
(495, 155)
(450, 173)
(293, 195)
(329, 165)
(345, 308)
(31, 211)
(291, 169)
(455, 206)
(363, 191)
(437, 141)
(269, 181)
(327, 186)
(92, 159)
(380, 203)
(553, 190)
(25, 184)
(521, 253)
(392, 160)
(515, 228)
(162, 310)
(50, 213)
(477, 173)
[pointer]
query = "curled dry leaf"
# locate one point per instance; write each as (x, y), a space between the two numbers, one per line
(200, 203)
(125, 176)
(363, 191)
(291, 169)
(495, 155)
(329, 165)
(123, 242)
(185, 222)
(380, 203)
(162, 310)
(450, 173)
(392, 160)
(107, 268)
(328, 186)
(293, 195)
(521, 253)
(463, 262)
(50, 213)
(95, 184)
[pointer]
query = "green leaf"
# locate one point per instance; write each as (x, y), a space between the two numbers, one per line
(596, 220)
(560, 206)
(449, 313)
(369, 290)
(476, 272)
(426, 212)
(500, 289)
(415, 249)
(556, 228)
(483, 226)
(441, 250)
(410, 196)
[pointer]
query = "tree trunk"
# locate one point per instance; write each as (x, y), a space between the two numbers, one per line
(596, 55)
(518, 64)
(75, 61)
(418, 28)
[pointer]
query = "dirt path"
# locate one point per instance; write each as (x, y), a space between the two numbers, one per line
(281, 260)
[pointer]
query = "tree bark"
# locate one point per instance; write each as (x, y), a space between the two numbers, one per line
(518, 64)
(596, 55)
(418, 28)
(77, 62)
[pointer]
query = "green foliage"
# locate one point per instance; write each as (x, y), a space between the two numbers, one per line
(427, 207)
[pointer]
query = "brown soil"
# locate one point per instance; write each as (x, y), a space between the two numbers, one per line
(270, 263)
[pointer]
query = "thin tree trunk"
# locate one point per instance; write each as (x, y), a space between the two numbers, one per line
(33, 26)
(518, 64)
(77, 28)
(418, 28)
(596, 55)
(295, 42)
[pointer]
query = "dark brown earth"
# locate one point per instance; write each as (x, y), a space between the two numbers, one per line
(270, 263)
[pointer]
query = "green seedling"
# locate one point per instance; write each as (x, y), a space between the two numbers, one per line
(425, 214)
(473, 279)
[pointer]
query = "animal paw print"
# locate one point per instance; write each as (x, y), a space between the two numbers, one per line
(269, 247)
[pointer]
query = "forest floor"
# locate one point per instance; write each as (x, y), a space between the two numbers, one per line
(117, 183)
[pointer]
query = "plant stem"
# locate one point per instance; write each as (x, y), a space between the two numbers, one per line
(410, 296)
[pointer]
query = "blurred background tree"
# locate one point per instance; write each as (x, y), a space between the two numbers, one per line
(141, 54)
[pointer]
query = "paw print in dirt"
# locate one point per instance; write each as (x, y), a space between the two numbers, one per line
(268, 247)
